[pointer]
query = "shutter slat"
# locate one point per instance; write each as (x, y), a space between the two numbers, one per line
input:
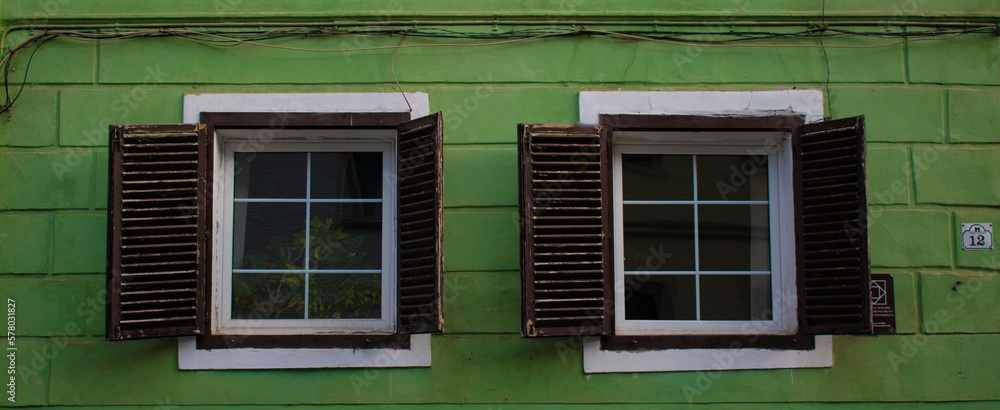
(177, 242)
(420, 287)
(157, 230)
(838, 289)
(170, 273)
(565, 254)
(832, 235)
(419, 216)
(174, 283)
(160, 323)
(417, 280)
(596, 273)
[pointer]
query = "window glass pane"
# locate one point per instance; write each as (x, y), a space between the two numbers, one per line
(735, 297)
(658, 237)
(346, 236)
(269, 235)
(269, 175)
(346, 175)
(660, 297)
(345, 296)
(268, 295)
(657, 177)
(733, 238)
(732, 177)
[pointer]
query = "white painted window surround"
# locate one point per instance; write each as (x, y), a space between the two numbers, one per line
(195, 104)
(190, 358)
(419, 352)
(745, 103)
(760, 103)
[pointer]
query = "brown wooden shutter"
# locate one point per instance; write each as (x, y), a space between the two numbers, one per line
(566, 277)
(158, 236)
(832, 227)
(420, 217)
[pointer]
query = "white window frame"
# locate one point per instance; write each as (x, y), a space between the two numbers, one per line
(781, 224)
(291, 141)
(189, 357)
(808, 103)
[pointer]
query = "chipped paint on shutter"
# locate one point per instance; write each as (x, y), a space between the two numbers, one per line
(420, 216)
(158, 233)
(565, 230)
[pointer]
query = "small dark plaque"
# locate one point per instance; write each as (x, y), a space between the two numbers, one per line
(883, 304)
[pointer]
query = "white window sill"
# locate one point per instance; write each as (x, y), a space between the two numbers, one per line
(190, 358)
(596, 360)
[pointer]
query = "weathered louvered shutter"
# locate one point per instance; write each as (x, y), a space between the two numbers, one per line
(420, 218)
(565, 211)
(158, 237)
(832, 228)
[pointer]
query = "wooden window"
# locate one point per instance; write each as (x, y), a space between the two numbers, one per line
(136, 272)
(829, 256)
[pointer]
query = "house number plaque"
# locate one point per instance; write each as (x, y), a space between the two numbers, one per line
(977, 236)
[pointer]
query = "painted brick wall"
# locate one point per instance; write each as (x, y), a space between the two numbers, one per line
(933, 152)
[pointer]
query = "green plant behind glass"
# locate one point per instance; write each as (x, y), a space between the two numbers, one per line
(331, 295)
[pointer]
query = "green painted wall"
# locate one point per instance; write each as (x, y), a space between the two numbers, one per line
(934, 158)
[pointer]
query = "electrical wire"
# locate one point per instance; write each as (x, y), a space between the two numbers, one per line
(316, 50)
(826, 58)
(9, 102)
(721, 37)
(392, 67)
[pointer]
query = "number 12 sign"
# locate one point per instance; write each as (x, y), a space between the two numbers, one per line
(977, 236)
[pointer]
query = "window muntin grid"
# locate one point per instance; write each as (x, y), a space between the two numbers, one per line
(759, 245)
(340, 142)
(779, 203)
